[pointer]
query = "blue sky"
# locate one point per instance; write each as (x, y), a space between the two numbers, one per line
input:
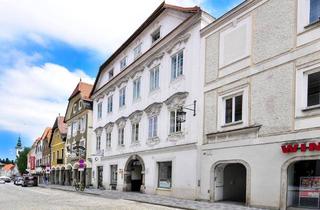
(46, 49)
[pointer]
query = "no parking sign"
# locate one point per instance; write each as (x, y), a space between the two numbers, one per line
(81, 165)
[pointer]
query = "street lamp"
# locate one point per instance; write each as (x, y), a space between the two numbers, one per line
(181, 114)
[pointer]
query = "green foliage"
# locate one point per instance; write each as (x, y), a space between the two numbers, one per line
(22, 160)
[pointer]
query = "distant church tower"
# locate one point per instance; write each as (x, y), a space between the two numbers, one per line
(19, 147)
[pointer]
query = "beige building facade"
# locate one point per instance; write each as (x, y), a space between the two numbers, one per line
(261, 103)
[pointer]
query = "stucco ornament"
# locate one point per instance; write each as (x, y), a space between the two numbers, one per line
(135, 117)
(177, 100)
(109, 127)
(137, 72)
(98, 131)
(121, 122)
(110, 91)
(153, 109)
(155, 59)
(178, 42)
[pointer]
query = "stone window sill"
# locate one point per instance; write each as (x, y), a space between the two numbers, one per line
(314, 24)
(309, 108)
(232, 124)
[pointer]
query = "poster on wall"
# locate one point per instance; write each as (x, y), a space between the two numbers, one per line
(309, 191)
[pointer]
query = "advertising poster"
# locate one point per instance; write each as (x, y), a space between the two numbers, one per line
(309, 189)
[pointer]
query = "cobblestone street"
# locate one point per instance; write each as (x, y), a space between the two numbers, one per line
(156, 199)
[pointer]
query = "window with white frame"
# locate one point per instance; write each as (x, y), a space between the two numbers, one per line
(80, 105)
(175, 124)
(99, 113)
(108, 140)
(98, 143)
(154, 78)
(314, 15)
(135, 132)
(122, 97)
(313, 89)
(176, 65)
(123, 63)
(136, 88)
(233, 109)
(110, 104)
(155, 35)
(82, 123)
(137, 51)
(110, 74)
(121, 136)
(153, 126)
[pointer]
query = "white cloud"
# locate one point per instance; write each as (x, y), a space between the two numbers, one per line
(32, 96)
(95, 24)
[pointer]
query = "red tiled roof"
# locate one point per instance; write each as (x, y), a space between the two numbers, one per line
(8, 167)
(84, 89)
(46, 134)
(61, 125)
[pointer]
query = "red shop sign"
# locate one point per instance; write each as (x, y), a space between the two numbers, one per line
(303, 147)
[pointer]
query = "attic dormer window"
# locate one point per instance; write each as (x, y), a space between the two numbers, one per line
(155, 35)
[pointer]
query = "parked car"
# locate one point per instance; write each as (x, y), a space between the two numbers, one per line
(18, 181)
(2, 181)
(29, 181)
(5, 178)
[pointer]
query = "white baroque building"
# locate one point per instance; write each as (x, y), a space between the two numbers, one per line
(262, 105)
(140, 145)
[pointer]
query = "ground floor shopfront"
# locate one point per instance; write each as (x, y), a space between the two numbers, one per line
(279, 175)
(68, 175)
(169, 171)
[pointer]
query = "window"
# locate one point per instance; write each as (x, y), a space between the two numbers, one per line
(136, 89)
(110, 102)
(54, 156)
(154, 78)
(121, 136)
(110, 74)
(98, 143)
(135, 132)
(153, 126)
(176, 65)
(58, 156)
(233, 109)
(175, 124)
(165, 174)
(69, 130)
(122, 97)
(114, 174)
(108, 140)
(123, 63)
(155, 35)
(314, 89)
(99, 110)
(74, 128)
(80, 105)
(82, 123)
(74, 108)
(314, 11)
(137, 51)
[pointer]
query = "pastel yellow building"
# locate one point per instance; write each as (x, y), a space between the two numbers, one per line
(57, 144)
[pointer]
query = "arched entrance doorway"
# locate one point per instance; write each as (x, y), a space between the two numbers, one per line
(303, 184)
(134, 174)
(230, 182)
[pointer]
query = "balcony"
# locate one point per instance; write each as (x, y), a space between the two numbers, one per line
(59, 161)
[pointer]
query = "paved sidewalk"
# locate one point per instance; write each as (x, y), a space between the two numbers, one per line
(156, 199)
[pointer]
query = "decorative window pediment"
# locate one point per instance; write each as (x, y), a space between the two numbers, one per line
(121, 122)
(176, 100)
(177, 43)
(155, 59)
(137, 72)
(98, 131)
(135, 117)
(153, 109)
(123, 81)
(109, 127)
(110, 91)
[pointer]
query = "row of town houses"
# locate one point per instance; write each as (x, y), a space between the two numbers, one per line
(195, 107)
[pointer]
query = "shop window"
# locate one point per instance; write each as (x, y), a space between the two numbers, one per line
(304, 184)
(114, 174)
(314, 89)
(165, 174)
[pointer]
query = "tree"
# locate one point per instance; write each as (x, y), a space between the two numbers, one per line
(22, 160)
